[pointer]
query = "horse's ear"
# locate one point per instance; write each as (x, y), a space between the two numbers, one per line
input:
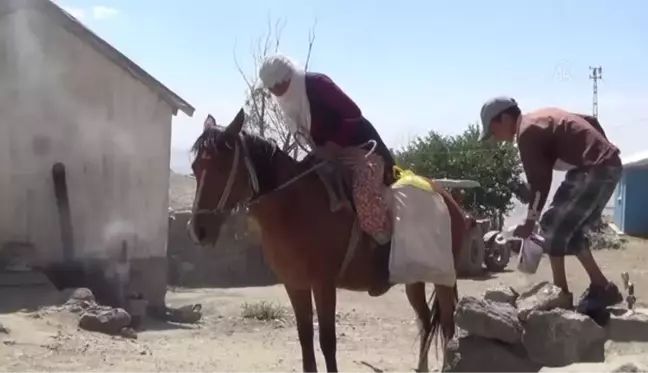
(236, 126)
(210, 122)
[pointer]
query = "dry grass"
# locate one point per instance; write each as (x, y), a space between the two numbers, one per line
(264, 311)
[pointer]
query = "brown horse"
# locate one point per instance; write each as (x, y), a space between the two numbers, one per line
(304, 242)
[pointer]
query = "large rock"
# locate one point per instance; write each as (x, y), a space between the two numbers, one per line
(489, 319)
(559, 337)
(542, 297)
(3, 329)
(81, 295)
(611, 367)
(110, 321)
(477, 354)
(502, 294)
(628, 327)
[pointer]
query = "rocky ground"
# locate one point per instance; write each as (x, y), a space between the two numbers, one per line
(251, 329)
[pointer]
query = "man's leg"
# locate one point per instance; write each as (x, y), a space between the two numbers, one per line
(558, 226)
(558, 271)
(561, 225)
(605, 291)
(600, 286)
(593, 270)
(578, 201)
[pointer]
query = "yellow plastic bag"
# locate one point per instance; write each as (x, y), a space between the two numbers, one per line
(408, 177)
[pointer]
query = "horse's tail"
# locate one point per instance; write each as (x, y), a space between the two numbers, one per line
(436, 331)
(458, 227)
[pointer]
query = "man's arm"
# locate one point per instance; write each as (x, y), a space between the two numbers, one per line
(538, 170)
(334, 98)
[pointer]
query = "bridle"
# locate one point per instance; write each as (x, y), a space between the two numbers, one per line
(239, 147)
(241, 152)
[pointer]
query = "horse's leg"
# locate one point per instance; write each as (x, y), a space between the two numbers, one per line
(303, 307)
(416, 297)
(325, 301)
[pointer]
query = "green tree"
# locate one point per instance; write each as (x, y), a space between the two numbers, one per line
(496, 167)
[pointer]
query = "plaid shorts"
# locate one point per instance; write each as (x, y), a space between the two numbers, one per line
(577, 204)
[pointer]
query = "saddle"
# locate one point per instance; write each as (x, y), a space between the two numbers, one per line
(337, 180)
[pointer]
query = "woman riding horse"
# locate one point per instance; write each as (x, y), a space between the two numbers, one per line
(303, 241)
(319, 113)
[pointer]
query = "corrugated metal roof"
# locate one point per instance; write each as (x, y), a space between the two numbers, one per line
(71, 24)
(636, 160)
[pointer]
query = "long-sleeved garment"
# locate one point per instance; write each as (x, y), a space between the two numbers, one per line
(336, 118)
(551, 139)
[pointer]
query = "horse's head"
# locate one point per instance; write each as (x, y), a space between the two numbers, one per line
(224, 175)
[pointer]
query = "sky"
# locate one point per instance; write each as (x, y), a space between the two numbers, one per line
(412, 66)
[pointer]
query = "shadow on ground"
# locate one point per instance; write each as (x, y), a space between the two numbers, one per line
(29, 298)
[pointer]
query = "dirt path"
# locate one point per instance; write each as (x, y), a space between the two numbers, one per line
(372, 332)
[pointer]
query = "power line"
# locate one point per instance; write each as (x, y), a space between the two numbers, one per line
(596, 75)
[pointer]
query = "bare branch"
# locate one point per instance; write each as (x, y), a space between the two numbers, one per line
(265, 116)
(311, 41)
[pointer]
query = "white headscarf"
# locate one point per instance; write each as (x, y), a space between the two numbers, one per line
(294, 103)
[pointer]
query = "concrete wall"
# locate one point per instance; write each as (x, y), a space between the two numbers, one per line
(62, 101)
(236, 261)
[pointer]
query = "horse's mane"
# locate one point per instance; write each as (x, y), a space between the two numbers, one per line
(264, 154)
(212, 139)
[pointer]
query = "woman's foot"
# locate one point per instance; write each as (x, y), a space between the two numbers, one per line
(381, 283)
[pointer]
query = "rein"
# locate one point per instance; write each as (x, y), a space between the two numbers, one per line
(253, 179)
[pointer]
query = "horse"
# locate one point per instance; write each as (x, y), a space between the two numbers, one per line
(304, 241)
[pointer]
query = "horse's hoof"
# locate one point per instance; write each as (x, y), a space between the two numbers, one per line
(379, 290)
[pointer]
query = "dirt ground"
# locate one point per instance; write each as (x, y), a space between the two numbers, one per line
(373, 334)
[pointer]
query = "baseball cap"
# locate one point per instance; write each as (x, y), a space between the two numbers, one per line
(490, 110)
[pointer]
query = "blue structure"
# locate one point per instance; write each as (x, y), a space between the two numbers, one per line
(631, 197)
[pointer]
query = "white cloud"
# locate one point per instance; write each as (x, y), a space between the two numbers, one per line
(103, 12)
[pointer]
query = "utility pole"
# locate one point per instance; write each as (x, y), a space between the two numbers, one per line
(596, 75)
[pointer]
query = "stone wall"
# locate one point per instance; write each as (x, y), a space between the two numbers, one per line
(236, 261)
(539, 329)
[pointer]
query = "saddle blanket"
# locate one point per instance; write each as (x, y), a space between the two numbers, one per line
(421, 249)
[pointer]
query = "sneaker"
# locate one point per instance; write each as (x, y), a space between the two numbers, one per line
(605, 296)
(593, 308)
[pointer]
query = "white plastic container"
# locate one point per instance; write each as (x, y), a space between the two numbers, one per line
(530, 254)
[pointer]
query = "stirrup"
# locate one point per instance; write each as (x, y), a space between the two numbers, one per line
(382, 238)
